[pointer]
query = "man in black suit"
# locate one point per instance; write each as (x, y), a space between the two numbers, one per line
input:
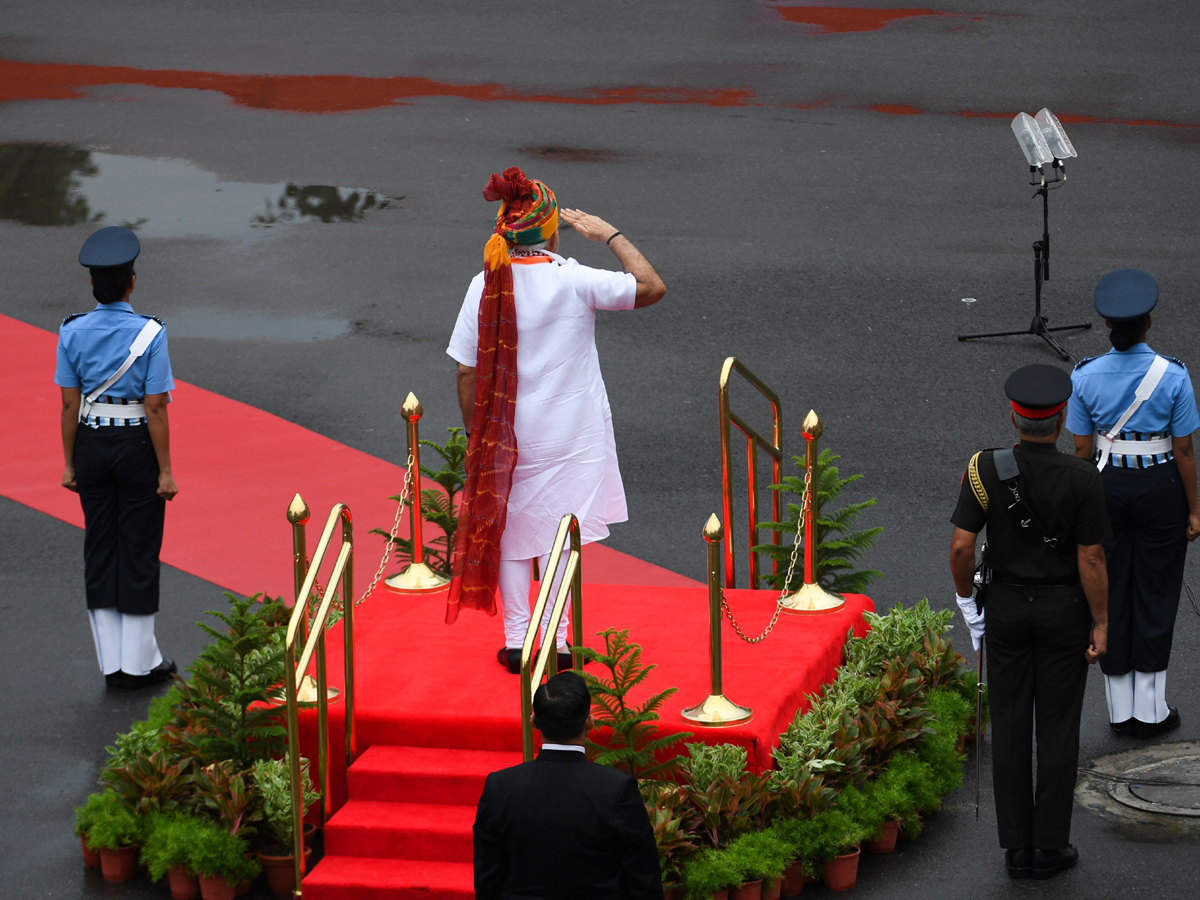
(560, 826)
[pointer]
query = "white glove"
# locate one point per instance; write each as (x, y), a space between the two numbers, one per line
(974, 618)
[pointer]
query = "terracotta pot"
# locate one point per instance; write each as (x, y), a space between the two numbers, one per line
(751, 890)
(310, 835)
(281, 872)
(216, 888)
(772, 888)
(793, 879)
(887, 841)
(841, 872)
(721, 895)
(184, 884)
(120, 864)
(672, 892)
(242, 888)
(91, 858)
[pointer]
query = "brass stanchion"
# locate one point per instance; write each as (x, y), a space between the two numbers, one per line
(811, 598)
(717, 709)
(416, 577)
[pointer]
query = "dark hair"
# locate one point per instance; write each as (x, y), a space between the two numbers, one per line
(1125, 334)
(111, 284)
(561, 707)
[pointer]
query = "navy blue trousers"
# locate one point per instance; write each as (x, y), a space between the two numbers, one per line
(117, 473)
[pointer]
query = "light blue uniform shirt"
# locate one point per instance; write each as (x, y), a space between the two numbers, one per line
(1103, 388)
(92, 347)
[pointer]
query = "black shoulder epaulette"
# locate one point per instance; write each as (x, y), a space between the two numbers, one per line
(1083, 362)
(159, 321)
(1180, 362)
(72, 316)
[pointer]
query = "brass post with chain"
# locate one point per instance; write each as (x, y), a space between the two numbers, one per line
(717, 709)
(417, 577)
(811, 597)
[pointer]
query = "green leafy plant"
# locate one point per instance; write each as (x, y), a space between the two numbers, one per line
(215, 853)
(632, 745)
(730, 806)
(675, 824)
(230, 705)
(760, 855)
(272, 781)
(113, 824)
(94, 808)
(150, 783)
(438, 507)
(169, 840)
(839, 546)
(708, 872)
(223, 792)
(705, 762)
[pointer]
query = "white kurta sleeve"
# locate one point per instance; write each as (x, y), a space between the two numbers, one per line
(602, 289)
(464, 342)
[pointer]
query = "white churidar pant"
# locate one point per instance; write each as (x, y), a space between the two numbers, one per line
(517, 603)
(123, 642)
(1137, 695)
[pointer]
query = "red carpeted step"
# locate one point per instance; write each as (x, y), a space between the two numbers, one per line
(425, 774)
(358, 878)
(415, 831)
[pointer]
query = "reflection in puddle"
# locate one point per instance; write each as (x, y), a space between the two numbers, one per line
(44, 184)
(227, 326)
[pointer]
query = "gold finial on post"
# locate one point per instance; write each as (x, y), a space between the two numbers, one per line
(416, 577)
(811, 597)
(717, 709)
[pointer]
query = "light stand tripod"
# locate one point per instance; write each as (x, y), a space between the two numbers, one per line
(1041, 272)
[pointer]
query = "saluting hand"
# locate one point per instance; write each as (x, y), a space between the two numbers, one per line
(591, 227)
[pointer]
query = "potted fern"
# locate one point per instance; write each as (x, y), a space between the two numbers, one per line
(115, 831)
(222, 860)
(170, 837)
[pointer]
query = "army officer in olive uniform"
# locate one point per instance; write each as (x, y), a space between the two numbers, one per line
(115, 376)
(1046, 613)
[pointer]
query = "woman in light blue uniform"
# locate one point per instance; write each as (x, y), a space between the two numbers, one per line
(115, 377)
(1133, 412)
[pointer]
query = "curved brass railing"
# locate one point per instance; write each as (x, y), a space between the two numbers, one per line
(311, 640)
(774, 449)
(547, 659)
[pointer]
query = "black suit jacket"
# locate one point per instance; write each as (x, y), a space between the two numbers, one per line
(564, 827)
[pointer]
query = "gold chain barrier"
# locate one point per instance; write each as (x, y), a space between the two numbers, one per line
(309, 635)
(754, 440)
(416, 577)
(717, 709)
(547, 659)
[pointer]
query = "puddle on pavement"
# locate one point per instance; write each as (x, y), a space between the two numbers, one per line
(47, 184)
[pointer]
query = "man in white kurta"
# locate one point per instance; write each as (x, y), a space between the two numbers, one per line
(566, 453)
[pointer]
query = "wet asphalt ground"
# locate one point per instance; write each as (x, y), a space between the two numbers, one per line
(818, 202)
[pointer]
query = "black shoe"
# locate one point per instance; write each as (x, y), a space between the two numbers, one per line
(510, 659)
(160, 673)
(1122, 729)
(1142, 729)
(1019, 861)
(565, 660)
(1048, 863)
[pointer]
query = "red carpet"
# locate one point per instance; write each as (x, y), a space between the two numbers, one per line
(435, 711)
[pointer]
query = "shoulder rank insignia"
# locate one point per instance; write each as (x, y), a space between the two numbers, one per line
(1083, 362)
(1178, 362)
(159, 321)
(72, 317)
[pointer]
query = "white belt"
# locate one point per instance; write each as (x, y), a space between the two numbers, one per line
(1138, 448)
(124, 411)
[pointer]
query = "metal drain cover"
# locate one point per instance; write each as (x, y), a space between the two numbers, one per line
(1170, 787)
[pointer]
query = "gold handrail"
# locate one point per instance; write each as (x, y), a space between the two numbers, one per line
(774, 449)
(547, 661)
(311, 640)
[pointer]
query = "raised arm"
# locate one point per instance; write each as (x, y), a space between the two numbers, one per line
(650, 288)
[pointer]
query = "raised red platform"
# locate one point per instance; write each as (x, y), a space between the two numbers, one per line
(436, 713)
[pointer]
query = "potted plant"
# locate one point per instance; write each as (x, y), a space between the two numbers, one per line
(85, 817)
(277, 853)
(836, 840)
(167, 851)
(710, 875)
(761, 858)
(116, 832)
(221, 860)
(674, 822)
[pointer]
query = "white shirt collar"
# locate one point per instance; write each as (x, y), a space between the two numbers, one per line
(575, 747)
